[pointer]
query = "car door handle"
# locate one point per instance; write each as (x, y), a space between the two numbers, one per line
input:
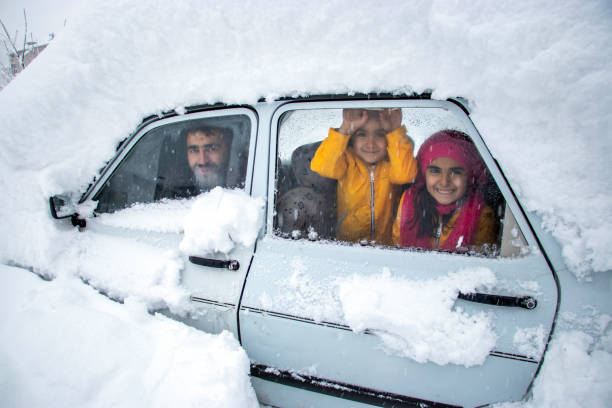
(232, 264)
(526, 302)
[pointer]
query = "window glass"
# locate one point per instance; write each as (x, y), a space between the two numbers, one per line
(398, 177)
(180, 160)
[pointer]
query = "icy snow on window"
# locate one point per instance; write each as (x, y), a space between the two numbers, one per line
(418, 319)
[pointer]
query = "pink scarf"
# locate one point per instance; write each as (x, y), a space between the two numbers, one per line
(464, 230)
(457, 145)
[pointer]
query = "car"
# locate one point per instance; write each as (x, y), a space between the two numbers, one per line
(327, 321)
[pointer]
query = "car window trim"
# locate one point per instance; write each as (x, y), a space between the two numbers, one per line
(129, 144)
(479, 142)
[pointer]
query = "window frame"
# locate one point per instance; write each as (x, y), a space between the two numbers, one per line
(486, 155)
(126, 147)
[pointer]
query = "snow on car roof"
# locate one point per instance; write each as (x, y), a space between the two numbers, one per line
(537, 75)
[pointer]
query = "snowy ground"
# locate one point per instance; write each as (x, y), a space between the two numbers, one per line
(65, 345)
(537, 74)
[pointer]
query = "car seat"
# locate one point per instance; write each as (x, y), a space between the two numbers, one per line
(309, 208)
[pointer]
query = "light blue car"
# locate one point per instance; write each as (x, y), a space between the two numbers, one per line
(330, 321)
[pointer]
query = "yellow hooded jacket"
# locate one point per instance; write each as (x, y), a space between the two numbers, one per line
(360, 217)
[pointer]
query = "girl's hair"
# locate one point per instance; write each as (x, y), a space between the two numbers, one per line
(425, 214)
(446, 143)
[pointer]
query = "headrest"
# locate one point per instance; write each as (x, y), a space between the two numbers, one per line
(300, 164)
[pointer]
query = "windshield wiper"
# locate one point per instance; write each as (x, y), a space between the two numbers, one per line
(526, 302)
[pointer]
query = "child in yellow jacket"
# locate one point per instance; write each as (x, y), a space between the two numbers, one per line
(371, 157)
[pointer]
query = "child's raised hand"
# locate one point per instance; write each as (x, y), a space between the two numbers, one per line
(391, 119)
(352, 119)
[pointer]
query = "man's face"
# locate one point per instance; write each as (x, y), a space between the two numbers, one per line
(207, 154)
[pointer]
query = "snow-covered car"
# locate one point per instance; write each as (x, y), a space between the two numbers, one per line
(325, 321)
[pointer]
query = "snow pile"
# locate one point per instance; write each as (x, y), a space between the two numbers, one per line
(64, 115)
(221, 219)
(416, 319)
(98, 353)
(530, 341)
(136, 270)
(537, 75)
(129, 264)
(576, 374)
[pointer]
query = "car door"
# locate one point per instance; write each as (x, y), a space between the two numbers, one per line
(132, 246)
(382, 325)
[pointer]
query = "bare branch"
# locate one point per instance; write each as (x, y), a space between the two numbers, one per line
(25, 39)
(8, 51)
(11, 41)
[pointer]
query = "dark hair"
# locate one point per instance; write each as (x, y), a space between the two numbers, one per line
(426, 214)
(225, 133)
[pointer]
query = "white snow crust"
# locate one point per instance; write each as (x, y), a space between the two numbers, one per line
(537, 75)
(220, 219)
(576, 374)
(418, 320)
(530, 341)
(64, 345)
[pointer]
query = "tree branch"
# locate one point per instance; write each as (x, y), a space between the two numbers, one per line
(25, 39)
(11, 41)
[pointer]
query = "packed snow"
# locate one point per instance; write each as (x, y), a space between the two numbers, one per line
(538, 78)
(548, 90)
(415, 319)
(530, 341)
(576, 374)
(221, 219)
(418, 320)
(64, 345)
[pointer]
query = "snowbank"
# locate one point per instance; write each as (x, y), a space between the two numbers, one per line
(575, 374)
(127, 268)
(64, 345)
(537, 74)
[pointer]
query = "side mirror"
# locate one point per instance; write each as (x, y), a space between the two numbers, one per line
(62, 207)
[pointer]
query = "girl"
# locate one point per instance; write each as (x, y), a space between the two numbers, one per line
(371, 157)
(444, 209)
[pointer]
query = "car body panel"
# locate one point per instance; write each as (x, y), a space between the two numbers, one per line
(287, 338)
(307, 356)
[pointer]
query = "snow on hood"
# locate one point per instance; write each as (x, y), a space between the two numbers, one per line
(537, 75)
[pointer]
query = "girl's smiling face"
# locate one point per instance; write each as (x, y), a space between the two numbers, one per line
(446, 180)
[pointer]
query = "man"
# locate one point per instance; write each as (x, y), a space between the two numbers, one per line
(196, 162)
(208, 151)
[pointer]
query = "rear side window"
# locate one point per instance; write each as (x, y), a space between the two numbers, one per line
(178, 160)
(396, 177)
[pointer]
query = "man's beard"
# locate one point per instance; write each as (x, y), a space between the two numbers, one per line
(214, 177)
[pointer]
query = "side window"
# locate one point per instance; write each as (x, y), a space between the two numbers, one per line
(396, 177)
(180, 160)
